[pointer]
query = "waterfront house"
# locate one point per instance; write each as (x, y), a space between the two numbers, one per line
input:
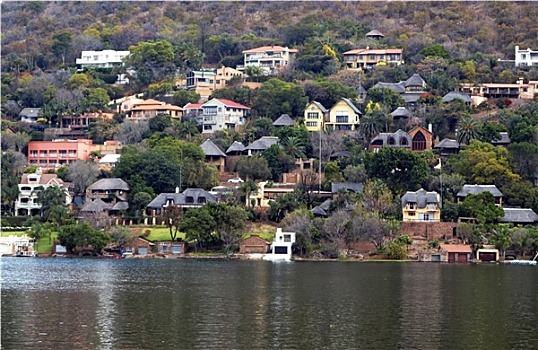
(190, 198)
(271, 59)
(27, 203)
(314, 116)
(281, 247)
(456, 253)
(254, 245)
(107, 195)
(172, 248)
(17, 246)
(477, 189)
(421, 206)
(344, 115)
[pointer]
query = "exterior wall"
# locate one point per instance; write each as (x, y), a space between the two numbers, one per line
(337, 118)
(415, 214)
(365, 58)
(269, 59)
(103, 59)
(526, 58)
(314, 118)
(52, 154)
(217, 116)
(253, 245)
(429, 230)
(26, 203)
(427, 135)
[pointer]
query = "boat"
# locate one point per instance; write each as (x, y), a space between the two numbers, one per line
(532, 262)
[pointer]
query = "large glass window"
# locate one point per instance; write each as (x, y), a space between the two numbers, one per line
(312, 115)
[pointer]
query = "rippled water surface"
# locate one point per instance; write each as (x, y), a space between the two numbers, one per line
(60, 303)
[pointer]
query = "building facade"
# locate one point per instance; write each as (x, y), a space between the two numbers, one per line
(204, 82)
(147, 109)
(101, 59)
(421, 206)
(344, 115)
(526, 58)
(272, 59)
(220, 114)
(27, 203)
(314, 116)
(367, 58)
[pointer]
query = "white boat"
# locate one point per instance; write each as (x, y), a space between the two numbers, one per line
(532, 262)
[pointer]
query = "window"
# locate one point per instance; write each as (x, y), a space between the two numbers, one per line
(210, 110)
(361, 57)
(312, 115)
(412, 205)
(42, 153)
(391, 141)
(312, 124)
(189, 199)
(342, 118)
(287, 238)
(201, 200)
(403, 141)
(372, 57)
(95, 58)
(431, 206)
(419, 142)
(220, 109)
(208, 127)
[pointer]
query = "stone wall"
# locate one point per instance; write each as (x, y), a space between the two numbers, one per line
(429, 230)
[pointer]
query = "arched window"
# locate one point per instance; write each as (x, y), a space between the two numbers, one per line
(403, 141)
(419, 142)
(391, 141)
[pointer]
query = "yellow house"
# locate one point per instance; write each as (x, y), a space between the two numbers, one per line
(314, 116)
(344, 115)
(421, 206)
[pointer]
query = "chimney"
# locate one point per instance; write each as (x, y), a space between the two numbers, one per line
(177, 189)
(430, 129)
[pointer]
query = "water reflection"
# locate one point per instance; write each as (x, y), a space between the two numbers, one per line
(208, 304)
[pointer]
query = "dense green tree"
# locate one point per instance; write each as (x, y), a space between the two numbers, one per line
(467, 130)
(50, 198)
(61, 45)
(198, 225)
(482, 207)
(281, 206)
(82, 236)
(153, 61)
(253, 168)
(317, 64)
(278, 160)
(329, 92)
(231, 226)
(160, 122)
(182, 97)
(436, 50)
(276, 97)
(377, 196)
(387, 98)
(524, 159)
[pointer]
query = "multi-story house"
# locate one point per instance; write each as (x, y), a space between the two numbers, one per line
(29, 115)
(204, 82)
(358, 59)
(344, 115)
(477, 189)
(482, 92)
(108, 194)
(61, 152)
(418, 139)
(314, 116)
(272, 59)
(526, 58)
(421, 206)
(220, 114)
(147, 109)
(410, 89)
(27, 203)
(193, 111)
(101, 59)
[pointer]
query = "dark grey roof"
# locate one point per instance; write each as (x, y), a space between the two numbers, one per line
(121, 205)
(340, 154)
(350, 186)
(396, 87)
(401, 112)
(453, 95)
(360, 89)
(320, 106)
(326, 204)
(181, 198)
(210, 149)
(263, 143)
(109, 184)
(421, 197)
(447, 143)
(236, 147)
(30, 112)
(284, 120)
(519, 215)
(95, 206)
(415, 80)
(350, 104)
(505, 139)
(375, 33)
(411, 97)
(319, 211)
(477, 189)
(397, 136)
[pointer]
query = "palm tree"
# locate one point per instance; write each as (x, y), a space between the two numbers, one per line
(294, 147)
(247, 188)
(254, 71)
(467, 130)
(371, 125)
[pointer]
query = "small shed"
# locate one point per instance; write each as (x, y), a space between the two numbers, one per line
(140, 246)
(486, 254)
(173, 248)
(457, 253)
(254, 245)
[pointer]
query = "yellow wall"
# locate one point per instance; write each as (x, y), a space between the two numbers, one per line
(341, 106)
(312, 108)
(435, 212)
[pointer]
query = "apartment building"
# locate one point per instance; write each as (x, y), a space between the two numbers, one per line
(204, 82)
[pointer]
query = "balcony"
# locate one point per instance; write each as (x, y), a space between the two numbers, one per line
(210, 121)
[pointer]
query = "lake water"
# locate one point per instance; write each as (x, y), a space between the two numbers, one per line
(62, 303)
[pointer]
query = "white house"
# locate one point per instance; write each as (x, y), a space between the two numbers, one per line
(15, 245)
(220, 114)
(281, 246)
(101, 59)
(27, 204)
(271, 59)
(526, 58)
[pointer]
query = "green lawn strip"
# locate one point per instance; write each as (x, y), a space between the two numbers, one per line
(44, 246)
(159, 233)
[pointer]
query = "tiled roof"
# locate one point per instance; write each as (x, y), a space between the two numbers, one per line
(453, 95)
(109, 184)
(210, 149)
(193, 106)
(373, 51)
(456, 248)
(477, 189)
(236, 147)
(284, 120)
(228, 103)
(519, 215)
(44, 179)
(421, 197)
(95, 206)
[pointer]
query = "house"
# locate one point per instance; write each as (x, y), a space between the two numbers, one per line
(503, 140)
(62, 152)
(344, 115)
(410, 89)
(401, 113)
(136, 246)
(477, 189)
(391, 139)
(421, 206)
(101, 59)
(190, 198)
(421, 138)
(27, 203)
(314, 116)
(254, 245)
(109, 160)
(193, 112)
(29, 115)
(271, 59)
(236, 149)
(264, 195)
(447, 147)
(525, 58)
(107, 195)
(520, 216)
(460, 253)
(457, 95)
(213, 155)
(354, 187)
(147, 109)
(220, 114)
(281, 248)
(172, 248)
(17, 246)
(358, 59)
(205, 81)
(374, 34)
(484, 91)
(262, 144)
(283, 120)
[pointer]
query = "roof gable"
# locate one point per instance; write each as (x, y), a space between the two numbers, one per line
(284, 120)
(210, 149)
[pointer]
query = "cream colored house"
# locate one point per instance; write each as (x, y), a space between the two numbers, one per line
(421, 206)
(204, 82)
(344, 115)
(314, 116)
(358, 59)
(147, 109)
(272, 59)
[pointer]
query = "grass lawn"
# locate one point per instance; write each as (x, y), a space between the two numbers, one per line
(265, 231)
(43, 247)
(157, 233)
